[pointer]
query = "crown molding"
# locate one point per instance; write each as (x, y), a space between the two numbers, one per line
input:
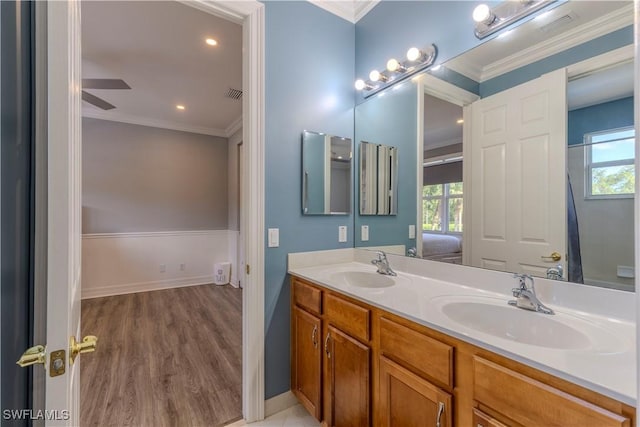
(350, 10)
(616, 20)
(235, 126)
(162, 124)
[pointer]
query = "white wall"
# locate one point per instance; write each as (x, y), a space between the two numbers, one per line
(122, 263)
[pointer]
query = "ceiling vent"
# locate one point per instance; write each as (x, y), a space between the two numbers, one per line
(560, 22)
(234, 93)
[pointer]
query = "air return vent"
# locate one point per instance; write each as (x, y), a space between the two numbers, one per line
(234, 93)
(560, 22)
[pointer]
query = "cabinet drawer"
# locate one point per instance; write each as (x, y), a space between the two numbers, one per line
(347, 316)
(480, 419)
(307, 296)
(530, 402)
(428, 357)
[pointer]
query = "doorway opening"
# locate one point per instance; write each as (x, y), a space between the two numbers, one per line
(162, 117)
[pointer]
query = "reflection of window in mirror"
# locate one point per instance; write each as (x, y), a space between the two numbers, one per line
(609, 162)
(442, 201)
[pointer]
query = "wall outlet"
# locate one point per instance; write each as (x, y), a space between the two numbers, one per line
(364, 233)
(412, 231)
(274, 237)
(342, 233)
(183, 266)
(163, 268)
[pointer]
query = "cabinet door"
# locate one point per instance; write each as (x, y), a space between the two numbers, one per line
(306, 360)
(407, 400)
(348, 380)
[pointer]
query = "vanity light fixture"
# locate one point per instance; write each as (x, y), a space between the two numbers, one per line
(490, 20)
(417, 60)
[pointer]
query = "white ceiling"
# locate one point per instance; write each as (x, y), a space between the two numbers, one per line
(159, 49)
(351, 10)
(440, 123)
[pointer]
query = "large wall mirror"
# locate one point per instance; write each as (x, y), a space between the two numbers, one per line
(525, 150)
(326, 174)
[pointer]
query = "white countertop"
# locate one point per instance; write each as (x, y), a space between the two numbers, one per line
(607, 365)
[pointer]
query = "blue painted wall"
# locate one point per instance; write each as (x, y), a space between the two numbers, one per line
(309, 85)
(603, 44)
(390, 118)
(608, 115)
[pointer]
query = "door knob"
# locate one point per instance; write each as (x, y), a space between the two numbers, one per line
(33, 356)
(555, 257)
(87, 345)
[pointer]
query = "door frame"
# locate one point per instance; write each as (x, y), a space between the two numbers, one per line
(249, 14)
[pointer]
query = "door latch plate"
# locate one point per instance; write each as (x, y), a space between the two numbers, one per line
(57, 363)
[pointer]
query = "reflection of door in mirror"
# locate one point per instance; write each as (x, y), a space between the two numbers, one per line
(517, 164)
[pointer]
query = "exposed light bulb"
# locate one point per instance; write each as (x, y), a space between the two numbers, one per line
(482, 13)
(414, 54)
(360, 84)
(393, 65)
(374, 75)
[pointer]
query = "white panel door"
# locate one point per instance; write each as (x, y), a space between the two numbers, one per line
(518, 171)
(64, 207)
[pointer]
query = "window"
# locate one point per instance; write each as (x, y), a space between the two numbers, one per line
(609, 158)
(442, 201)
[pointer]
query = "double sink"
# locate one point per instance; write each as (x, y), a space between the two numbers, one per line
(493, 316)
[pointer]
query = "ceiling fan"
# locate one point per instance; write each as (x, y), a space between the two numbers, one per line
(101, 84)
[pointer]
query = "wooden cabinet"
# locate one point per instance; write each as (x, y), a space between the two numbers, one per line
(407, 400)
(347, 380)
(357, 365)
(307, 360)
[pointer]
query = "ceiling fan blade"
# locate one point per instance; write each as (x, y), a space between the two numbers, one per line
(98, 102)
(104, 84)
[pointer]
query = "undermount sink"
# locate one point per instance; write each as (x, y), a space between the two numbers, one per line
(494, 317)
(363, 279)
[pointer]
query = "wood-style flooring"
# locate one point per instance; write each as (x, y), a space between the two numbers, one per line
(164, 358)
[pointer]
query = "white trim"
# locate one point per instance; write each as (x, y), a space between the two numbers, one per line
(279, 403)
(132, 288)
(609, 59)
(636, 210)
(155, 123)
(234, 127)
(362, 7)
(616, 20)
(152, 234)
(449, 92)
(351, 11)
(250, 14)
(441, 144)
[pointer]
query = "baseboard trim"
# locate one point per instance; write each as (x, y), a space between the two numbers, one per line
(279, 403)
(131, 288)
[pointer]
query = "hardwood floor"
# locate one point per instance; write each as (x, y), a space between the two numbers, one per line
(165, 358)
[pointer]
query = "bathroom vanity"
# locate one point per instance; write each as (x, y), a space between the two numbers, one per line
(416, 350)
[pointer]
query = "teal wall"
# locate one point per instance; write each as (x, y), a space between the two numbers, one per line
(608, 115)
(309, 85)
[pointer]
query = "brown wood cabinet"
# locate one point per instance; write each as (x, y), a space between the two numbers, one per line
(372, 367)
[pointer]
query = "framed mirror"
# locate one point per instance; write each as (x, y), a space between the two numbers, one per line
(326, 174)
(378, 179)
(511, 135)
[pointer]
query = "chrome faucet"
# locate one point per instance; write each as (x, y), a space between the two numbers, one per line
(383, 264)
(526, 297)
(555, 273)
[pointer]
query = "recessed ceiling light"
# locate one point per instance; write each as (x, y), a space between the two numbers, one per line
(212, 42)
(180, 107)
(460, 121)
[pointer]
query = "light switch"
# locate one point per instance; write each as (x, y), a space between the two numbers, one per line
(342, 233)
(274, 237)
(412, 231)
(364, 233)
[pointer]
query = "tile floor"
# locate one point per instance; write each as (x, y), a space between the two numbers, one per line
(296, 416)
